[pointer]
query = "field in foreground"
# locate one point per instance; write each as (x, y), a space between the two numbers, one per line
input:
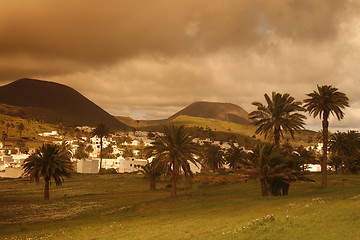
(220, 207)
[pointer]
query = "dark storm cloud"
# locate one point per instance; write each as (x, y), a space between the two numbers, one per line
(93, 32)
(150, 58)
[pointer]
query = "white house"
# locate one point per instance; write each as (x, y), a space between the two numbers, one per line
(49, 134)
(130, 164)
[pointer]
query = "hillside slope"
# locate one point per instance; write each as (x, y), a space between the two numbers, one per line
(53, 102)
(221, 111)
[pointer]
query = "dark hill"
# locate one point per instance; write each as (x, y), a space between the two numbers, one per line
(221, 111)
(53, 102)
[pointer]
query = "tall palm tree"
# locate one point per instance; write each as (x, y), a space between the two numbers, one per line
(175, 149)
(101, 131)
(328, 100)
(279, 114)
(50, 161)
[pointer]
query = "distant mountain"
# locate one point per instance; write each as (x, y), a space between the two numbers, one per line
(54, 103)
(140, 123)
(221, 111)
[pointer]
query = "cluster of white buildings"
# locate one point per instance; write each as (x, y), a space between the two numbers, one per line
(10, 165)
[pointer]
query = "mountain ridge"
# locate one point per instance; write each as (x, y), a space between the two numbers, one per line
(216, 110)
(51, 102)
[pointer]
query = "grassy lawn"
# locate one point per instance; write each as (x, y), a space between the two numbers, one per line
(213, 207)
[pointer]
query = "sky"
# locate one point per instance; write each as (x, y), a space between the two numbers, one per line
(150, 58)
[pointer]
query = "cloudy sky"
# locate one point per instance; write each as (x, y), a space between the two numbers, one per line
(150, 58)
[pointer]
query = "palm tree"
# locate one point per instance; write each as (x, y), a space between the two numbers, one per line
(101, 131)
(20, 128)
(337, 143)
(89, 149)
(234, 156)
(175, 149)
(80, 152)
(305, 156)
(153, 171)
(344, 148)
(4, 136)
(50, 161)
(213, 157)
(274, 168)
(264, 163)
(327, 100)
(20, 143)
(280, 114)
(7, 127)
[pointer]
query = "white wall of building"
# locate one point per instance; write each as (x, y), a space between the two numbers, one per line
(87, 166)
(129, 164)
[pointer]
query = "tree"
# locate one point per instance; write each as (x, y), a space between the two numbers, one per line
(153, 171)
(7, 127)
(80, 152)
(280, 114)
(128, 152)
(4, 136)
(305, 156)
(175, 149)
(328, 100)
(50, 161)
(108, 152)
(213, 157)
(234, 156)
(20, 128)
(336, 161)
(21, 145)
(344, 148)
(257, 165)
(272, 167)
(101, 131)
(89, 149)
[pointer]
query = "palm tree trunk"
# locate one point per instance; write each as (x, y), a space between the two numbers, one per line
(325, 125)
(174, 179)
(101, 143)
(47, 189)
(152, 183)
(277, 136)
(264, 188)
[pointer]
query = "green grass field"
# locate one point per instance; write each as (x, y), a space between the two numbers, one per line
(212, 207)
